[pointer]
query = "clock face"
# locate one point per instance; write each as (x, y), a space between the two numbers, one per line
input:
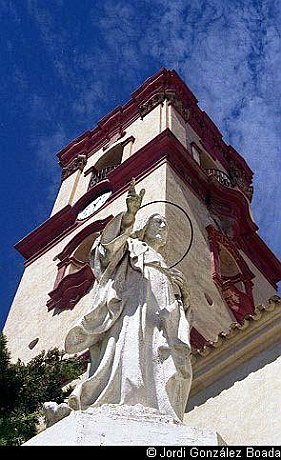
(94, 205)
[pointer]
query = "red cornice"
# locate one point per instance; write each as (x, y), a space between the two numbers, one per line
(165, 147)
(51, 232)
(163, 82)
(260, 254)
(46, 232)
(58, 225)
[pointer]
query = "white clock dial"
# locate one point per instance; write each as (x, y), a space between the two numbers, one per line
(93, 206)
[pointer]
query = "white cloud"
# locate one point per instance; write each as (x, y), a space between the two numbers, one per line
(227, 52)
(46, 167)
(54, 39)
(229, 55)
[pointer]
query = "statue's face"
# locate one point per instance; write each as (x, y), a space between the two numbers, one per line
(156, 229)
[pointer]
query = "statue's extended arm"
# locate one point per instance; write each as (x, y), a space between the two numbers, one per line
(133, 205)
(117, 231)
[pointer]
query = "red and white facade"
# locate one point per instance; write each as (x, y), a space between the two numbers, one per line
(174, 150)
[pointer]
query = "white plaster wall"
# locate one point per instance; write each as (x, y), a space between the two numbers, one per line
(29, 317)
(208, 320)
(142, 130)
(76, 185)
(248, 413)
(65, 192)
(177, 125)
(191, 136)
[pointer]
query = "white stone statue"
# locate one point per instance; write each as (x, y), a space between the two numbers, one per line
(137, 330)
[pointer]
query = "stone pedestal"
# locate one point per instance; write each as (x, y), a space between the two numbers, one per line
(114, 425)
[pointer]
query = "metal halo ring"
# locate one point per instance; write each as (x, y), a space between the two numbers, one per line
(189, 221)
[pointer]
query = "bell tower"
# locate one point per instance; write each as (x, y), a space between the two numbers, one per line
(203, 187)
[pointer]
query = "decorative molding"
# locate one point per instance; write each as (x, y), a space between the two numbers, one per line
(163, 148)
(77, 163)
(159, 98)
(238, 178)
(57, 226)
(114, 139)
(236, 329)
(178, 104)
(215, 239)
(149, 105)
(64, 264)
(165, 84)
(94, 227)
(226, 224)
(128, 140)
(260, 254)
(71, 289)
(240, 303)
(47, 233)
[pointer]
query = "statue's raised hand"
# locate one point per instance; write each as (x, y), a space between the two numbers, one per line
(133, 199)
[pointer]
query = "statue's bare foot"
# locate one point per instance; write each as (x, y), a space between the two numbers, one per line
(55, 412)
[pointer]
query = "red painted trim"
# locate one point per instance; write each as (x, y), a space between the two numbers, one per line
(261, 255)
(71, 289)
(241, 304)
(94, 227)
(164, 81)
(90, 194)
(57, 226)
(60, 274)
(62, 266)
(163, 148)
(216, 238)
(197, 340)
(46, 232)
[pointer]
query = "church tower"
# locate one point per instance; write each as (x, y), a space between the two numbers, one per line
(203, 187)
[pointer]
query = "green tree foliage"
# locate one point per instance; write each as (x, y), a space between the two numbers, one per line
(24, 388)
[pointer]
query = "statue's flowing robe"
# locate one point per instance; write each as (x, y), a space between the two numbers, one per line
(137, 330)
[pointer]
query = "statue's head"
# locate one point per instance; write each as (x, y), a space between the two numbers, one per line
(154, 232)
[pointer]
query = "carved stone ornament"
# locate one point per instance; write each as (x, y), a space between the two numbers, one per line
(176, 102)
(159, 98)
(78, 163)
(138, 320)
(149, 105)
(71, 289)
(240, 303)
(238, 178)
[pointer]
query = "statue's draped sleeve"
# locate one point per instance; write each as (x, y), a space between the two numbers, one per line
(106, 306)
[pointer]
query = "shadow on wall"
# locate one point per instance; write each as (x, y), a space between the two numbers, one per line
(241, 372)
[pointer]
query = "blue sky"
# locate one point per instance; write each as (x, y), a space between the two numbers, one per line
(66, 63)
